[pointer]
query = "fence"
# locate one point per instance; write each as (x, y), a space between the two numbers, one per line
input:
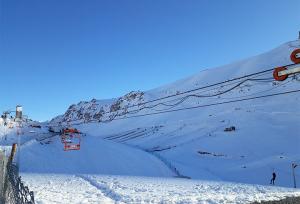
(3, 162)
(12, 190)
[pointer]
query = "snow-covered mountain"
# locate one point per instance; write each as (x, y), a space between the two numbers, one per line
(238, 131)
(103, 110)
(193, 142)
(99, 110)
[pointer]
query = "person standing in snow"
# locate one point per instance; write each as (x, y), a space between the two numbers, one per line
(273, 178)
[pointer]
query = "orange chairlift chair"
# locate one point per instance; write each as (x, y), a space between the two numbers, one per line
(71, 139)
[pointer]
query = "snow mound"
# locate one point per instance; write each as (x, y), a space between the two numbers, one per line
(96, 156)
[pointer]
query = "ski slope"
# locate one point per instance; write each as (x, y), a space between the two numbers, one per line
(96, 156)
(266, 137)
(80, 188)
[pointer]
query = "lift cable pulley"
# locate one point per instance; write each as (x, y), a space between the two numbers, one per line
(282, 73)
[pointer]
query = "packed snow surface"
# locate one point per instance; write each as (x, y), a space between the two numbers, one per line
(80, 188)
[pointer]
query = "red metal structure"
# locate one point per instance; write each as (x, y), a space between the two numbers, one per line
(276, 72)
(295, 56)
(71, 139)
(282, 73)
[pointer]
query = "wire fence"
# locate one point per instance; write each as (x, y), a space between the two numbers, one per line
(12, 189)
(3, 163)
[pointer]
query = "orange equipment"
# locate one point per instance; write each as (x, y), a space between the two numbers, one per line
(277, 77)
(71, 139)
(295, 56)
(282, 73)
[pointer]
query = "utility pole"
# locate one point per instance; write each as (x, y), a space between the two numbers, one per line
(294, 165)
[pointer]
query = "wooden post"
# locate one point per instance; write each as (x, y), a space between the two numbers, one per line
(13, 152)
(294, 176)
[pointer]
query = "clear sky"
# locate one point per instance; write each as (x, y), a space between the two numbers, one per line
(54, 53)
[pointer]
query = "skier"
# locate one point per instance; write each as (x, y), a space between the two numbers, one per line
(273, 178)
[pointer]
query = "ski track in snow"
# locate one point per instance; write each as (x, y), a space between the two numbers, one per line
(64, 189)
(103, 187)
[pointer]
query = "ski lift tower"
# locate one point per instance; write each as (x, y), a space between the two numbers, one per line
(19, 118)
(19, 113)
(5, 115)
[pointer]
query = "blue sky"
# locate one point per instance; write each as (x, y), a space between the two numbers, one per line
(54, 53)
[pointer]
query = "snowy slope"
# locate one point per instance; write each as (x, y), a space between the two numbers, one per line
(193, 141)
(96, 156)
(53, 188)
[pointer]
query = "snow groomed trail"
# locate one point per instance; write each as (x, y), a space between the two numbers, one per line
(105, 188)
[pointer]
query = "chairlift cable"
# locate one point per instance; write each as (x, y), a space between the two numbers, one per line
(113, 117)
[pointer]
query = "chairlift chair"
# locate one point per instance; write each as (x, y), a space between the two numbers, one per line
(71, 139)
